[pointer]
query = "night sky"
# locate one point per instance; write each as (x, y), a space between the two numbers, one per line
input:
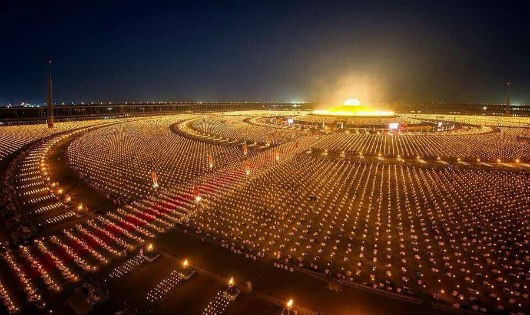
(378, 51)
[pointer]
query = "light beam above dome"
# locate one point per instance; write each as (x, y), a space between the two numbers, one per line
(352, 102)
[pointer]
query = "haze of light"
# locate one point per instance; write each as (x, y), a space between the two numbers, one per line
(352, 107)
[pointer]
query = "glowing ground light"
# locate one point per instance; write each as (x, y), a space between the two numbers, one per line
(352, 107)
(289, 303)
(185, 264)
(231, 282)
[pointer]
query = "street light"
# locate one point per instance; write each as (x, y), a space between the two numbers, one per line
(288, 309)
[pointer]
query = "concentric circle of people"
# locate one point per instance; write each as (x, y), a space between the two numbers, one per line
(460, 234)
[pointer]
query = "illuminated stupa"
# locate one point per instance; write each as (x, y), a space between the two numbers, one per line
(353, 108)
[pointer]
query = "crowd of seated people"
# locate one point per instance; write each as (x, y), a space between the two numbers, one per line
(458, 235)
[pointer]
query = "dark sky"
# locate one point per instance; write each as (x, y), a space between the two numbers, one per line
(389, 51)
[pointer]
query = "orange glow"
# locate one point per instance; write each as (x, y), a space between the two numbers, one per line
(353, 108)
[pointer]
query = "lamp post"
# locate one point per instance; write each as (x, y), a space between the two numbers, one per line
(210, 161)
(186, 272)
(154, 178)
(288, 308)
(508, 86)
(49, 100)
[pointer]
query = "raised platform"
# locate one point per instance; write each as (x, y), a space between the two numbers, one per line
(339, 116)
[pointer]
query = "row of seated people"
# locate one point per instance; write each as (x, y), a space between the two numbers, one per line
(12, 138)
(489, 147)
